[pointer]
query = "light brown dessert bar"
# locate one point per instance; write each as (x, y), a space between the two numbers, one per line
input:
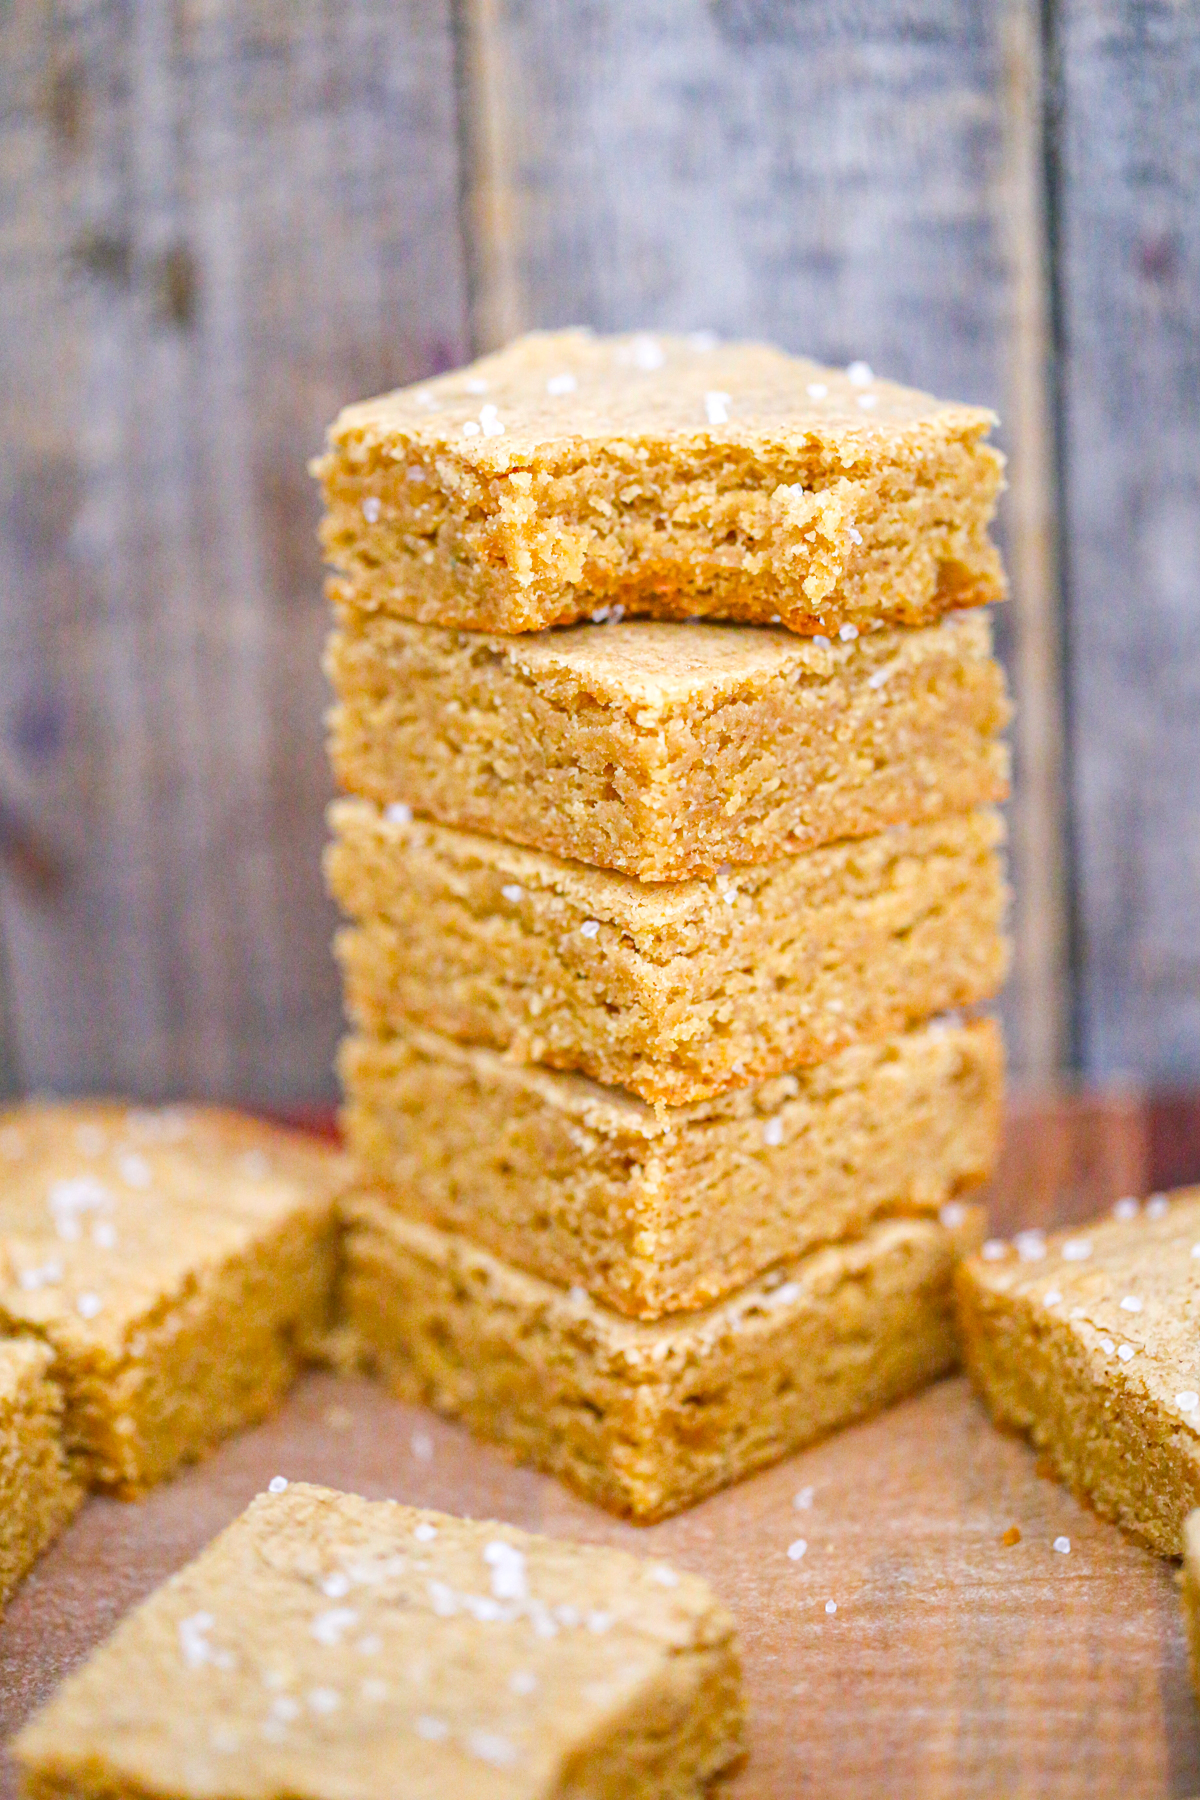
(646, 1418)
(657, 1214)
(570, 473)
(38, 1492)
(674, 991)
(1190, 1587)
(1087, 1341)
(667, 750)
(341, 1649)
(177, 1262)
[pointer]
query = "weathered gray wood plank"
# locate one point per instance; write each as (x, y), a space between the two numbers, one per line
(1130, 275)
(858, 180)
(216, 224)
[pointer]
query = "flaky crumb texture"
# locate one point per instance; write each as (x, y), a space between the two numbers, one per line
(570, 474)
(667, 750)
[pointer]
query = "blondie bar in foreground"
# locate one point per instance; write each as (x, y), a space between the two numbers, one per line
(674, 991)
(646, 1419)
(668, 750)
(670, 476)
(1087, 1340)
(177, 1262)
(332, 1648)
(38, 1492)
(658, 1213)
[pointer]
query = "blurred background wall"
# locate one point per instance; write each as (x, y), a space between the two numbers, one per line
(219, 219)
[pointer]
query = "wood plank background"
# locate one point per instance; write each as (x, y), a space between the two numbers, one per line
(219, 221)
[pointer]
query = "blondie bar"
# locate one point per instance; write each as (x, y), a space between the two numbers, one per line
(342, 1649)
(1087, 1341)
(38, 1492)
(569, 474)
(674, 991)
(176, 1261)
(667, 750)
(646, 1418)
(663, 1213)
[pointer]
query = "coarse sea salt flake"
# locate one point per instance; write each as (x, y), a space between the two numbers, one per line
(797, 1548)
(817, 390)
(1125, 1208)
(398, 813)
(1076, 1250)
(590, 927)
(1188, 1401)
(860, 374)
(491, 1748)
(1063, 1546)
(994, 1249)
(1131, 1303)
(562, 384)
(716, 407)
(772, 1132)
(371, 509)
(511, 891)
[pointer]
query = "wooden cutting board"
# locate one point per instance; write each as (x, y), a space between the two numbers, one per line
(955, 1664)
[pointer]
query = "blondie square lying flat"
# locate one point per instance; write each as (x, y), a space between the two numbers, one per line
(331, 1648)
(667, 750)
(657, 1214)
(177, 1262)
(675, 991)
(1087, 1341)
(569, 473)
(647, 1418)
(38, 1492)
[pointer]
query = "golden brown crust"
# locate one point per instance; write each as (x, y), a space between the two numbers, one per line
(677, 482)
(329, 1646)
(666, 751)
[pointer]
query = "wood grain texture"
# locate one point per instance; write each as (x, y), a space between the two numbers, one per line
(956, 1665)
(217, 223)
(1129, 273)
(851, 181)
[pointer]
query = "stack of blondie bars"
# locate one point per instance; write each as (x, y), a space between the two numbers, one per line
(669, 726)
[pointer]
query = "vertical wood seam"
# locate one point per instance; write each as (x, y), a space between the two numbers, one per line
(1052, 155)
(1043, 1004)
(488, 196)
